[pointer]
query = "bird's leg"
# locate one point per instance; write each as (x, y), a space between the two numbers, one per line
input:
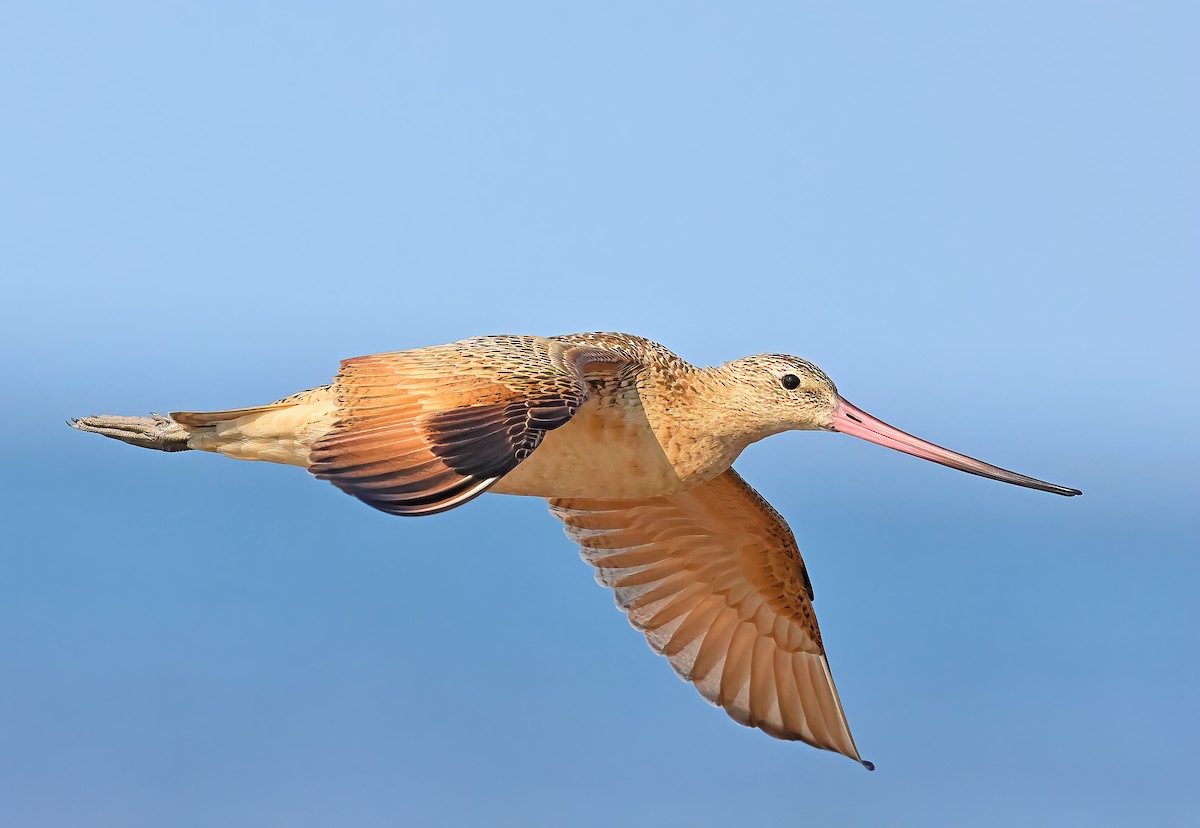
(153, 432)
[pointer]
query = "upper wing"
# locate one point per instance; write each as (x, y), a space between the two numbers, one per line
(714, 579)
(422, 431)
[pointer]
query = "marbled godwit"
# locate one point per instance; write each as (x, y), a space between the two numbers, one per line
(632, 447)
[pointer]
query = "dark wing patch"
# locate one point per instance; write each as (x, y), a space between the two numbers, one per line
(423, 431)
(490, 440)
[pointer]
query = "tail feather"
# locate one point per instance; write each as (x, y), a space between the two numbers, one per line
(281, 432)
(208, 418)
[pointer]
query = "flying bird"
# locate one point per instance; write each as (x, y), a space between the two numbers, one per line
(633, 449)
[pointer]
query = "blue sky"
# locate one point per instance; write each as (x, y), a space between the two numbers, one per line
(980, 221)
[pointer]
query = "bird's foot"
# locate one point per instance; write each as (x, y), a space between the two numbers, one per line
(153, 432)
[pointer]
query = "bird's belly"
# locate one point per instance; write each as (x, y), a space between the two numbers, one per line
(605, 451)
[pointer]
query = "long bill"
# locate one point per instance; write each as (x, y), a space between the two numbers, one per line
(850, 419)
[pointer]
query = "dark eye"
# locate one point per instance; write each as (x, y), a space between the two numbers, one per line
(790, 381)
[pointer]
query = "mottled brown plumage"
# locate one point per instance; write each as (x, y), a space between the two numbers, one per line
(632, 447)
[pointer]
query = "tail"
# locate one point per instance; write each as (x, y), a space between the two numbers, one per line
(154, 432)
(281, 432)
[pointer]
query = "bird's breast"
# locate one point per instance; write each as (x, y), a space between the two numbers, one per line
(608, 450)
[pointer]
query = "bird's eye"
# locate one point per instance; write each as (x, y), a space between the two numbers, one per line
(790, 381)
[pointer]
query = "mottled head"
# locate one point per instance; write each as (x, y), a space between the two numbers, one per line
(784, 393)
(776, 392)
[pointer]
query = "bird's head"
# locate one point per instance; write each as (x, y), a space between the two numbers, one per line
(782, 393)
(786, 393)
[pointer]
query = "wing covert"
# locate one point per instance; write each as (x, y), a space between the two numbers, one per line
(714, 579)
(426, 430)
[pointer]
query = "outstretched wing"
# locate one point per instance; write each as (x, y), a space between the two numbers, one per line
(714, 579)
(426, 430)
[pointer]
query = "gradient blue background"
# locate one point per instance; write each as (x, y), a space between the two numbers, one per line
(982, 222)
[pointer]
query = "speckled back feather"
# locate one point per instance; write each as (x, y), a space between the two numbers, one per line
(425, 430)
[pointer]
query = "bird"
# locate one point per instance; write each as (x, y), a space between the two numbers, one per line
(633, 449)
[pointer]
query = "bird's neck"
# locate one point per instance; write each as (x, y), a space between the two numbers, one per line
(703, 420)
